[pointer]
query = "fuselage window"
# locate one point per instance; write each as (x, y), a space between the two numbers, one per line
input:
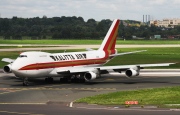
(22, 56)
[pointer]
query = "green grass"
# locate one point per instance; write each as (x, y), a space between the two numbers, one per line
(154, 96)
(72, 42)
(48, 42)
(152, 55)
(20, 46)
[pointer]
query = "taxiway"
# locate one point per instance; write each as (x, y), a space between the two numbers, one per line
(42, 98)
(66, 47)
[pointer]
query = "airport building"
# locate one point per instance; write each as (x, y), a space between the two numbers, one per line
(166, 23)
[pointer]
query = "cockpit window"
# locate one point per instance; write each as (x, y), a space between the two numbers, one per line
(22, 56)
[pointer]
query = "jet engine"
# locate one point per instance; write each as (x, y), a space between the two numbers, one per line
(7, 69)
(93, 74)
(90, 76)
(131, 73)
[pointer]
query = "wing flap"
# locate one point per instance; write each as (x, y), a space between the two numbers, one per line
(89, 49)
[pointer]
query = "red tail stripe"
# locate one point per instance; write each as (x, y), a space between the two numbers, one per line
(111, 36)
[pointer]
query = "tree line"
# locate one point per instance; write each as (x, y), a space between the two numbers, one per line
(76, 28)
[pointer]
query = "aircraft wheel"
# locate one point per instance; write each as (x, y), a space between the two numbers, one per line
(63, 80)
(49, 80)
(25, 82)
(82, 80)
(74, 80)
(46, 80)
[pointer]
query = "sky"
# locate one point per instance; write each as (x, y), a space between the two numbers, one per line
(91, 9)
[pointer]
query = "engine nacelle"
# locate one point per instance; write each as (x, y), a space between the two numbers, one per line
(7, 69)
(90, 76)
(131, 73)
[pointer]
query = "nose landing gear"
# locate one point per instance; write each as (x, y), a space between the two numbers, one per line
(25, 82)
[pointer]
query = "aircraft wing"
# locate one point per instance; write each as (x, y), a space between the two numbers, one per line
(8, 60)
(141, 66)
(119, 54)
(102, 68)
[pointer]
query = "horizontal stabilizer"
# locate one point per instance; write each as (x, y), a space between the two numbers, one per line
(119, 54)
(89, 49)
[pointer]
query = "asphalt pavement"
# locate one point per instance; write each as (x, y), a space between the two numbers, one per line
(40, 98)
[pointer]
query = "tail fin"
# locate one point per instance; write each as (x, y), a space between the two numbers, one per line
(109, 41)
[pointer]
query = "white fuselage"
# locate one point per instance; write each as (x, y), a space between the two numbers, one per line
(42, 64)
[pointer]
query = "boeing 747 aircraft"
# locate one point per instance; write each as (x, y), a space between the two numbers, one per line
(84, 66)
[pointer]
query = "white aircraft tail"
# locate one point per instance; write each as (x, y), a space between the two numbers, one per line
(109, 41)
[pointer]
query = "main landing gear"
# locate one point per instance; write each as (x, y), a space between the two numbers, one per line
(49, 80)
(72, 79)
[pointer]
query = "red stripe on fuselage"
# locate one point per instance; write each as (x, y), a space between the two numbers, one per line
(70, 63)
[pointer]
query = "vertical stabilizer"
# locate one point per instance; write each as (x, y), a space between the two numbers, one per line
(109, 41)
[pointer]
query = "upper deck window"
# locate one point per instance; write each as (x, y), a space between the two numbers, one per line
(22, 56)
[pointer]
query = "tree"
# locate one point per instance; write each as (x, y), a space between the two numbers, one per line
(75, 28)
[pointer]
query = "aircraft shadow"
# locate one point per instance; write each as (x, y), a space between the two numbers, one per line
(102, 81)
(41, 82)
